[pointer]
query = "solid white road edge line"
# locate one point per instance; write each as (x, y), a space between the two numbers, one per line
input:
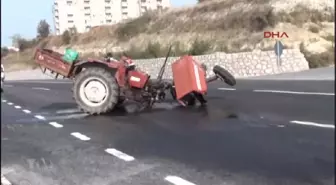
(17, 107)
(26, 111)
(41, 88)
(39, 117)
(226, 89)
(80, 136)
(313, 124)
(178, 181)
(4, 181)
(295, 92)
(119, 154)
(55, 124)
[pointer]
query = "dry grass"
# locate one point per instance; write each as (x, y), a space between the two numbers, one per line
(18, 61)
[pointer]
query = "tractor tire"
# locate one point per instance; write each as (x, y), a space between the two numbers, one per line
(225, 75)
(104, 83)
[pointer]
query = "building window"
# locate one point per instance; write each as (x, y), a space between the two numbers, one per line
(87, 8)
(70, 21)
(107, 8)
(70, 15)
(159, 1)
(87, 1)
(159, 7)
(109, 21)
(108, 14)
(143, 1)
(107, 1)
(124, 1)
(87, 14)
(69, 3)
(124, 7)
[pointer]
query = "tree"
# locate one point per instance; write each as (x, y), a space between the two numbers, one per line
(15, 40)
(66, 37)
(43, 29)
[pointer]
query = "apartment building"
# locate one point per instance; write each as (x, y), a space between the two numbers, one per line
(84, 14)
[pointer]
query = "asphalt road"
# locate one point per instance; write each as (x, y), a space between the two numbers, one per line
(259, 133)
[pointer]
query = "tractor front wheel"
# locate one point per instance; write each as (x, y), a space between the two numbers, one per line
(96, 91)
(224, 75)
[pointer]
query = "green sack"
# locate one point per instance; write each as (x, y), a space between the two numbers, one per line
(70, 55)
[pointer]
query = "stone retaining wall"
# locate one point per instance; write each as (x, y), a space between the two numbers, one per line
(245, 64)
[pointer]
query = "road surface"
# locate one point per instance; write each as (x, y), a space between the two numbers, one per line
(259, 133)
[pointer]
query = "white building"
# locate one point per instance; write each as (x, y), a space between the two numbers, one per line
(84, 14)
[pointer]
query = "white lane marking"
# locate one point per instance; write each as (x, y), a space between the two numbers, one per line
(226, 89)
(68, 111)
(119, 154)
(43, 82)
(178, 180)
(55, 124)
(8, 85)
(17, 107)
(26, 111)
(80, 136)
(4, 101)
(41, 88)
(313, 124)
(71, 116)
(39, 117)
(10, 103)
(4, 181)
(296, 92)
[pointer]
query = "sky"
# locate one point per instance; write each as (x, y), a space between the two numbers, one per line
(22, 17)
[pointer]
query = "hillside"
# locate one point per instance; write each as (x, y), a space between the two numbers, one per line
(218, 25)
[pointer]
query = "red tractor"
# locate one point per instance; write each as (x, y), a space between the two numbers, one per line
(101, 85)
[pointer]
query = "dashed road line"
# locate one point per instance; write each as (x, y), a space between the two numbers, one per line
(313, 124)
(67, 111)
(119, 154)
(17, 107)
(55, 124)
(26, 111)
(226, 89)
(80, 136)
(4, 101)
(4, 180)
(10, 103)
(41, 88)
(295, 92)
(178, 180)
(39, 117)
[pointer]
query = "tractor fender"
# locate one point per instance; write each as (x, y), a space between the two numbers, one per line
(109, 66)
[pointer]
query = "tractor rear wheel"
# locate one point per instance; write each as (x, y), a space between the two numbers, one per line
(224, 75)
(96, 91)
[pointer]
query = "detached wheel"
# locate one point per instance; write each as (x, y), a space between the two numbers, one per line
(225, 75)
(96, 91)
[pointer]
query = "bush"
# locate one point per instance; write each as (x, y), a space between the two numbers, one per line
(24, 44)
(4, 51)
(134, 27)
(199, 47)
(323, 59)
(314, 29)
